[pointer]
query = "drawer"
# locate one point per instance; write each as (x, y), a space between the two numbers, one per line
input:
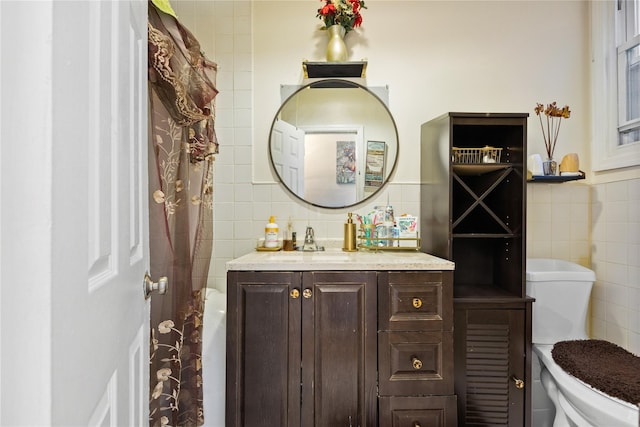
(415, 300)
(415, 363)
(431, 411)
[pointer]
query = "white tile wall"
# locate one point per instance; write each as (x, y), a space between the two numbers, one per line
(223, 29)
(558, 221)
(615, 210)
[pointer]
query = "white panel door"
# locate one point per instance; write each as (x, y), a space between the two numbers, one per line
(109, 313)
(100, 317)
(73, 213)
(77, 302)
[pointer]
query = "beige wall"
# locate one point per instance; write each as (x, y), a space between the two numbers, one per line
(435, 56)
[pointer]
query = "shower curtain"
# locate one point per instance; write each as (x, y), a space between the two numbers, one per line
(182, 145)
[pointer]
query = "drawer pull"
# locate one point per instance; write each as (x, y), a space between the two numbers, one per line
(417, 363)
(417, 303)
(295, 293)
(519, 382)
(416, 424)
(307, 293)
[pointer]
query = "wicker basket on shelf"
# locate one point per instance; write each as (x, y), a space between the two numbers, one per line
(471, 156)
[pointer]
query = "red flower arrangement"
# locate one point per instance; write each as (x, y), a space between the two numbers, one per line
(341, 12)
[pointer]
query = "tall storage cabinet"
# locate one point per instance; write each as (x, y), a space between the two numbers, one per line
(473, 206)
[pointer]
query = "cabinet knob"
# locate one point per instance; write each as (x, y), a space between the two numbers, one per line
(417, 303)
(307, 293)
(417, 363)
(416, 424)
(295, 293)
(519, 383)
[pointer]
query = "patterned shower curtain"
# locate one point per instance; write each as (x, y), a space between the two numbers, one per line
(182, 146)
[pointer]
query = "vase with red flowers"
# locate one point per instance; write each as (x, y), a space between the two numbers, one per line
(339, 18)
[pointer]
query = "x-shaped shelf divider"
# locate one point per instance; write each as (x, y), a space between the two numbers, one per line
(479, 199)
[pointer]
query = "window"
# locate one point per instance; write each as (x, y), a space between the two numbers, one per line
(615, 31)
(628, 49)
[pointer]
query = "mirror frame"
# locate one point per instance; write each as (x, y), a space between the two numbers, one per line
(335, 83)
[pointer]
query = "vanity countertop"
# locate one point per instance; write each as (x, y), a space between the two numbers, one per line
(336, 259)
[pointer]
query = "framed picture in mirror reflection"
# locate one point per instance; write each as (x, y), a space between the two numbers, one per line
(345, 162)
(374, 165)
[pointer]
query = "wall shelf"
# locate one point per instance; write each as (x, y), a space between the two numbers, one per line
(555, 178)
(352, 69)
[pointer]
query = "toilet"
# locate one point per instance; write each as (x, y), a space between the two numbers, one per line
(561, 290)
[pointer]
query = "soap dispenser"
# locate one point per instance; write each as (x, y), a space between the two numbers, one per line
(271, 234)
(349, 244)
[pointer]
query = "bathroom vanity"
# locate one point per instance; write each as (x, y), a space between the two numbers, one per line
(340, 339)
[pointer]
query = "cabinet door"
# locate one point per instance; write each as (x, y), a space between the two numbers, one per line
(490, 355)
(339, 349)
(263, 349)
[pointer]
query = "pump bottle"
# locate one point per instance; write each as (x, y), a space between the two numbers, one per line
(349, 244)
(271, 234)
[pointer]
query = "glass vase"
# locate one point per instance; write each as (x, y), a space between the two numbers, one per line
(549, 167)
(336, 48)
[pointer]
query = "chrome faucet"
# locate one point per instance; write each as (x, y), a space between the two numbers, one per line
(310, 244)
(309, 240)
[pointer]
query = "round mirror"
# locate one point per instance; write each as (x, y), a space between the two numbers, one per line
(333, 143)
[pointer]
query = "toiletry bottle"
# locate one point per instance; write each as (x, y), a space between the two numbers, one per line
(287, 241)
(271, 234)
(349, 244)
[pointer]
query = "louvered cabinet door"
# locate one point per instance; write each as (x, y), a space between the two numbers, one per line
(491, 359)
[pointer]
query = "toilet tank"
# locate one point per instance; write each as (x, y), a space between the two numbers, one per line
(561, 290)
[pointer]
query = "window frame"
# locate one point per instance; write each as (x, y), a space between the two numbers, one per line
(606, 104)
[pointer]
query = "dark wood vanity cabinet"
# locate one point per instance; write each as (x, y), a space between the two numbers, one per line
(473, 207)
(301, 349)
(415, 349)
(340, 348)
(263, 334)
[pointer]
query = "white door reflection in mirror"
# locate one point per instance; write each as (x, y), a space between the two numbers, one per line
(322, 157)
(287, 154)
